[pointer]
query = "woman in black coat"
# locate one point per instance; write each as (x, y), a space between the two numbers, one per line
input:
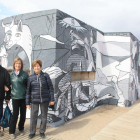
(39, 92)
(4, 86)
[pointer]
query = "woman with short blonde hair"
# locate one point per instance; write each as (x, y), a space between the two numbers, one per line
(18, 79)
(37, 62)
(39, 93)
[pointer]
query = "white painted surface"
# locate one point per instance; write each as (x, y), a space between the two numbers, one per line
(116, 38)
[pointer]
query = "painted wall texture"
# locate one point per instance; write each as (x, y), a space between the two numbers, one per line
(65, 45)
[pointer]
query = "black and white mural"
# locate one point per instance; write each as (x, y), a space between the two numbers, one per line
(65, 44)
(134, 85)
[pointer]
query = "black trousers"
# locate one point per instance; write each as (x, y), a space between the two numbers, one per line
(17, 105)
(1, 109)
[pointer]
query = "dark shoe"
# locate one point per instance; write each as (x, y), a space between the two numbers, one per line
(31, 136)
(22, 133)
(42, 135)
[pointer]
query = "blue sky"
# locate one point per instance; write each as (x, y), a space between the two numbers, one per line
(6, 11)
(105, 15)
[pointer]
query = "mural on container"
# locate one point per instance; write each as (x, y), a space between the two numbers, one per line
(65, 44)
(134, 86)
(114, 63)
(76, 97)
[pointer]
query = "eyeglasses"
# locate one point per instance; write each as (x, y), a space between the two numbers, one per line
(18, 63)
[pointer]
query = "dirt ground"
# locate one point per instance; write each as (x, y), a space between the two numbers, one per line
(89, 124)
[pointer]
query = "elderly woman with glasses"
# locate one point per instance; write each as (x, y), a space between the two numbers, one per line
(39, 93)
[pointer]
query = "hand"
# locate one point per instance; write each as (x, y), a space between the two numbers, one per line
(52, 103)
(6, 88)
(28, 106)
(7, 101)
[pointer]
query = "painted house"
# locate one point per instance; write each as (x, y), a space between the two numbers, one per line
(72, 53)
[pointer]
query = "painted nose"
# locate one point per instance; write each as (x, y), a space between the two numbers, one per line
(7, 38)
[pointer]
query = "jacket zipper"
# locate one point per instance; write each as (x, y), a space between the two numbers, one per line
(40, 90)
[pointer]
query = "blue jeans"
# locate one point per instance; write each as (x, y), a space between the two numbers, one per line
(1, 108)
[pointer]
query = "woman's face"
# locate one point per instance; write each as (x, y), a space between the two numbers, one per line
(37, 68)
(18, 65)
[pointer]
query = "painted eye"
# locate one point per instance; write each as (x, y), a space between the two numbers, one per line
(17, 34)
(9, 32)
(71, 32)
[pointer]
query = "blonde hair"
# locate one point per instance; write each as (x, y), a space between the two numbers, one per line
(18, 59)
(37, 62)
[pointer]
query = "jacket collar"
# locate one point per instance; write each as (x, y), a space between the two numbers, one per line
(0, 68)
(40, 73)
(20, 72)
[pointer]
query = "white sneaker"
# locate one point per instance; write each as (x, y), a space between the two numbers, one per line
(12, 136)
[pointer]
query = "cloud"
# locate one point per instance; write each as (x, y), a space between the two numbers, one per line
(105, 15)
(2, 16)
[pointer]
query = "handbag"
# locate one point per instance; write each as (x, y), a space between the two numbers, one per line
(5, 120)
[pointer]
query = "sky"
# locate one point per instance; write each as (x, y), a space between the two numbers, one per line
(105, 15)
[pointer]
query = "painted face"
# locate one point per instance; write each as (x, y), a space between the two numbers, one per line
(18, 65)
(12, 36)
(13, 33)
(37, 68)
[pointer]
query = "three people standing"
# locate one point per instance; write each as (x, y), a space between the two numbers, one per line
(31, 92)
